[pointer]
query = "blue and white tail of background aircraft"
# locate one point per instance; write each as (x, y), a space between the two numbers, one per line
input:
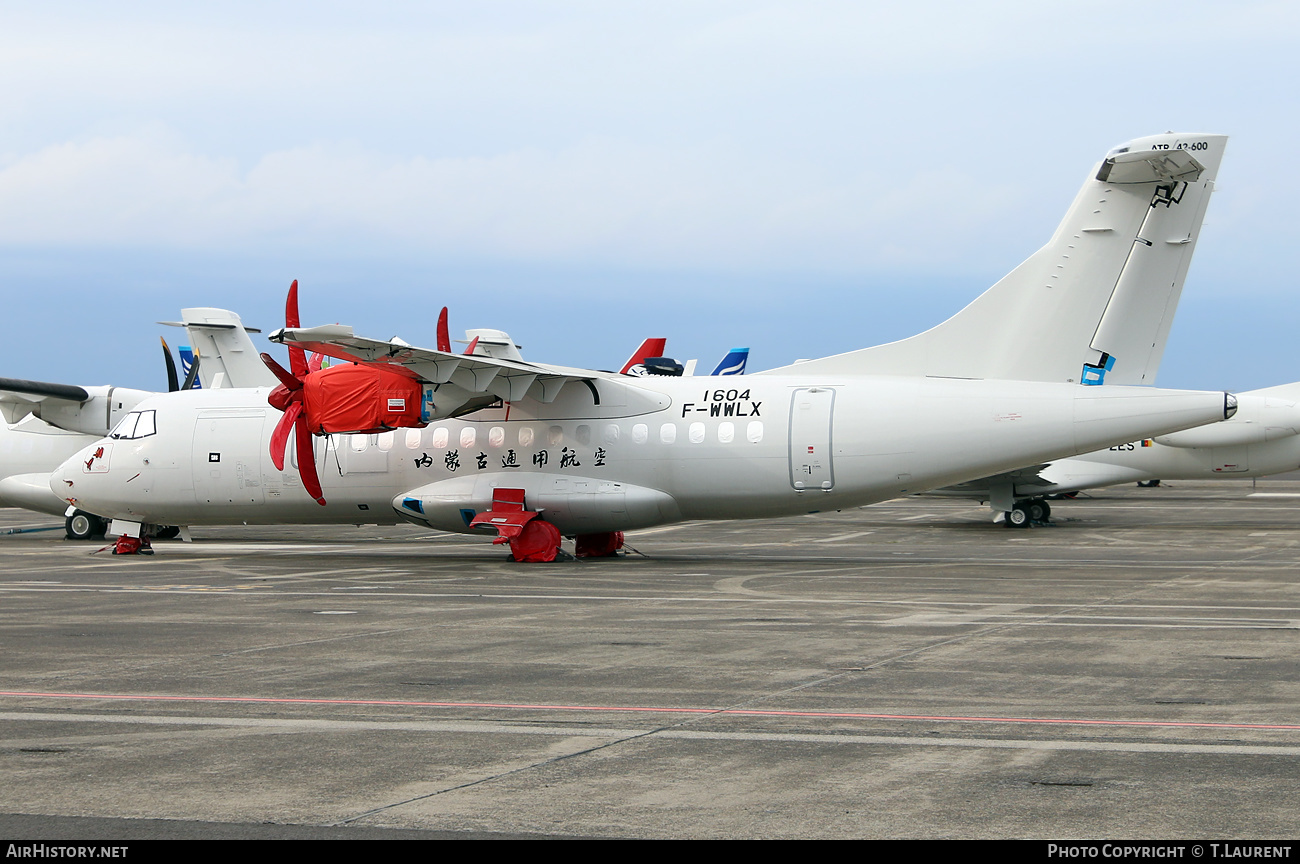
(733, 363)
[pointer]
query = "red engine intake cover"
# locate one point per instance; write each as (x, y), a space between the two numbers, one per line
(361, 398)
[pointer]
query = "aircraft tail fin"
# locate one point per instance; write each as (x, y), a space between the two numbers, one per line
(733, 363)
(652, 347)
(224, 351)
(1095, 304)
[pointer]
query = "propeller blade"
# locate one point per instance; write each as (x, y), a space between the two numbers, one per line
(307, 461)
(297, 356)
(444, 337)
(286, 378)
(314, 362)
(291, 307)
(173, 384)
(192, 375)
(472, 346)
(280, 436)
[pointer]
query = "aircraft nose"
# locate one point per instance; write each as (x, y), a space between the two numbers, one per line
(72, 481)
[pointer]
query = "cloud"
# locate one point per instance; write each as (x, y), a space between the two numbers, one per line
(602, 200)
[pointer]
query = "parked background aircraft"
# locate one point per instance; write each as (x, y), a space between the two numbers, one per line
(597, 454)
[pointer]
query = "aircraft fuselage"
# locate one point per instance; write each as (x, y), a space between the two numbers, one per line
(619, 455)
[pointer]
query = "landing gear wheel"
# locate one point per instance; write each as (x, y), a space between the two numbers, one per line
(1148, 484)
(168, 532)
(537, 543)
(1017, 517)
(1038, 510)
(604, 545)
(84, 526)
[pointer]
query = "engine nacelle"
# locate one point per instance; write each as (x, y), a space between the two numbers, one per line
(97, 415)
(575, 505)
(363, 398)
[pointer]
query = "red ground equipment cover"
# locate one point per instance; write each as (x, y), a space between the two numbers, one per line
(361, 398)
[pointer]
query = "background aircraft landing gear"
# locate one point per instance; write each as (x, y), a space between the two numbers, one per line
(84, 526)
(1026, 513)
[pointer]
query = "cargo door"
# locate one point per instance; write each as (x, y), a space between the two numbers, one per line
(811, 414)
(227, 457)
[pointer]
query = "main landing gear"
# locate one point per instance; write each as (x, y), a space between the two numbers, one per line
(533, 539)
(1026, 513)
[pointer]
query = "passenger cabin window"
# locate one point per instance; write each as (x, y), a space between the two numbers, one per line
(137, 424)
(413, 439)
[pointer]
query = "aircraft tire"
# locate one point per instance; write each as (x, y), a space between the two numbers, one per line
(84, 526)
(1038, 510)
(168, 532)
(1017, 517)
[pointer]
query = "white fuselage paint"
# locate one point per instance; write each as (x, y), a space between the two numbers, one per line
(654, 450)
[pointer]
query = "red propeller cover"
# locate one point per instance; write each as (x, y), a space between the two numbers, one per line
(361, 398)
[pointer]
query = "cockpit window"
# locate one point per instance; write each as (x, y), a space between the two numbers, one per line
(137, 424)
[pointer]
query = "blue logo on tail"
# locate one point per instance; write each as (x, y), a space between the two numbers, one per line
(1095, 373)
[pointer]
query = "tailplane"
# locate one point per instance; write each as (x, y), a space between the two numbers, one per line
(1095, 304)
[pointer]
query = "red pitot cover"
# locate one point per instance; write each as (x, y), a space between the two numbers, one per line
(361, 398)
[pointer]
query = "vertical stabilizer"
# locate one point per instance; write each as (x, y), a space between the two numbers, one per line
(1095, 304)
(226, 354)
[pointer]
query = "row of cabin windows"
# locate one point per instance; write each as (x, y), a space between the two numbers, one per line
(440, 437)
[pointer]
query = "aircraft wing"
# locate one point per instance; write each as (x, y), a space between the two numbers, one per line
(476, 374)
(18, 398)
(92, 410)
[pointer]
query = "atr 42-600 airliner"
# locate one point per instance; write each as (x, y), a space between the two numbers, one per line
(532, 452)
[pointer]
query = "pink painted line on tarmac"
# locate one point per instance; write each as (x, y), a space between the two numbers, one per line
(643, 709)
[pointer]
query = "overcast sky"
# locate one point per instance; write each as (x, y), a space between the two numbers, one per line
(801, 178)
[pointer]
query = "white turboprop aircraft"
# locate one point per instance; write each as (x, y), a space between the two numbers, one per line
(456, 442)
(47, 423)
